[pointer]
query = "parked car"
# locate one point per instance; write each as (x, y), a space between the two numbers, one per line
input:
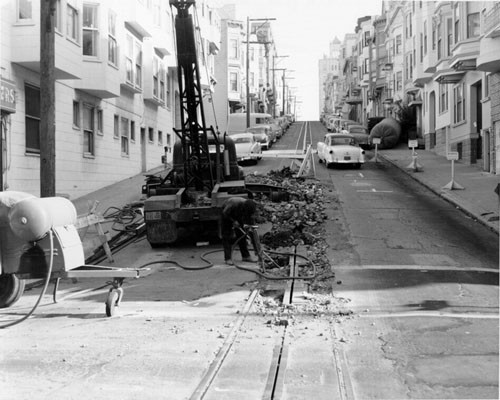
(264, 129)
(247, 148)
(360, 133)
(332, 124)
(261, 137)
(278, 130)
(340, 148)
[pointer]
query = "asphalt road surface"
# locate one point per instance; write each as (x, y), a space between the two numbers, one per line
(413, 314)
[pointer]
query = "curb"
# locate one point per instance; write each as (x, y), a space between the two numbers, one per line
(449, 198)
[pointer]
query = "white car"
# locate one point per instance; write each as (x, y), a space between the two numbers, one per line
(340, 148)
(247, 148)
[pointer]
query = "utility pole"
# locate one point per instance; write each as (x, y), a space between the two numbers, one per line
(47, 100)
(274, 84)
(248, 62)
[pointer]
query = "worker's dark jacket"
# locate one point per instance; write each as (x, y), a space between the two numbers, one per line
(237, 209)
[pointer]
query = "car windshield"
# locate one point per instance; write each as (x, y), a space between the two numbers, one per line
(339, 141)
(243, 140)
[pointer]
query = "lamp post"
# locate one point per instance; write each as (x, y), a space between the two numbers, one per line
(248, 61)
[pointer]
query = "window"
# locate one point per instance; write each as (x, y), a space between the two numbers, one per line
(132, 131)
(486, 86)
(399, 80)
(439, 42)
(90, 34)
(112, 44)
(457, 23)
(129, 57)
(32, 121)
(366, 66)
(398, 44)
(24, 10)
(169, 78)
(233, 81)
(233, 49)
(162, 82)
(116, 127)
(133, 61)
(251, 53)
(459, 103)
(366, 40)
(124, 136)
(473, 25)
(100, 121)
(443, 98)
(160, 137)
(156, 72)
(88, 129)
(76, 114)
(138, 64)
(449, 37)
(72, 26)
(421, 47)
(58, 16)
(425, 37)
(252, 79)
(434, 38)
(151, 135)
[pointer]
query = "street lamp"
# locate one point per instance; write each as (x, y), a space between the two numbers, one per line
(248, 61)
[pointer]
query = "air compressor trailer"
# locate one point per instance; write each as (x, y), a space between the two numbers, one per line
(38, 240)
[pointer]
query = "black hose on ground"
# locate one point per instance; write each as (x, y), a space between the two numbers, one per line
(46, 284)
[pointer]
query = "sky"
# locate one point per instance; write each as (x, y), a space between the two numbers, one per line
(303, 30)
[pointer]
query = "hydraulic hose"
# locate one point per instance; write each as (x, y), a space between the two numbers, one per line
(46, 284)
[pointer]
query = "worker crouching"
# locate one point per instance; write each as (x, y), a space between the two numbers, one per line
(236, 213)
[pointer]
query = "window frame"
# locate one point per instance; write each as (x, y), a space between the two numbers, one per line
(443, 98)
(76, 114)
(26, 19)
(72, 30)
(32, 118)
(233, 84)
(459, 103)
(477, 25)
(93, 30)
(124, 136)
(113, 56)
(88, 131)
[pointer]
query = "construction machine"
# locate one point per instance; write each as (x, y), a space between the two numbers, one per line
(204, 170)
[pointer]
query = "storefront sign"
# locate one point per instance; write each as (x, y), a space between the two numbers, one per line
(7, 95)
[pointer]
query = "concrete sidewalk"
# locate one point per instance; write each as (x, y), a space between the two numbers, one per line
(478, 198)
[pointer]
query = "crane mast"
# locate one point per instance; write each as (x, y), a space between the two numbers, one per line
(193, 133)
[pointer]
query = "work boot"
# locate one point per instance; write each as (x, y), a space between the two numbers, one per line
(249, 259)
(229, 262)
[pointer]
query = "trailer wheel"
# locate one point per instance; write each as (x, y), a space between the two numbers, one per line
(11, 289)
(111, 302)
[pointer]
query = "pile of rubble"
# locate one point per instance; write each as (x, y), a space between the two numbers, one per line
(297, 224)
(315, 305)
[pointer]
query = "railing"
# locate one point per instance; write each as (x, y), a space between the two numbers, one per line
(492, 18)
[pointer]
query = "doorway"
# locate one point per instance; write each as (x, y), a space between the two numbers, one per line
(432, 120)
(477, 117)
(143, 150)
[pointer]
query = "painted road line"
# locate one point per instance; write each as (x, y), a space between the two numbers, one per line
(432, 314)
(422, 268)
(373, 190)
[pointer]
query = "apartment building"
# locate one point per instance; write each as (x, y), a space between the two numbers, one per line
(116, 90)
(329, 72)
(434, 66)
(113, 94)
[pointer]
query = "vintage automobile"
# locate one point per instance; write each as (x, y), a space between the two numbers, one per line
(262, 138)
(247, 148)
(360, 133)
(340, 148)
(262, 130)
